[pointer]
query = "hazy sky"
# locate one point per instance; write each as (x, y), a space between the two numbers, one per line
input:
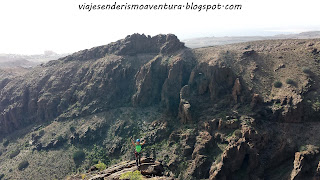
(32, 26)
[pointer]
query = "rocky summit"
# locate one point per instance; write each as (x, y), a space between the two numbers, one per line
(241, 111)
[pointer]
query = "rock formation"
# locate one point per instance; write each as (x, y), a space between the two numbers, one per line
(208, 113)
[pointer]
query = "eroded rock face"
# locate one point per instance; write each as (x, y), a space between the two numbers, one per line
(161, 80)
(197, 87)
(305, 163)
(235, 157)
(229, 124)
(138, 69)
(236, 90)
(293, 109)
(132, 45)
(255, 101)
(185, 106)
(178, 76)
(149, 81)
(208, 84)
(215, 79)
(241, 158)
(185, 112)
(201, 164)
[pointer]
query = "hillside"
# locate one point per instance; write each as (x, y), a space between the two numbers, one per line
(241, 111)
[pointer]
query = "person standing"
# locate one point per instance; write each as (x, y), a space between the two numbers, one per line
(138, 148)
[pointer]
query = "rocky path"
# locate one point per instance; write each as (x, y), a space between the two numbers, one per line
(149, 168)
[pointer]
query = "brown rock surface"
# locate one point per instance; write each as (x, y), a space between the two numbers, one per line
(200, 165)
(148, 168)
(236, 90)
(224, 97)
(305, 163)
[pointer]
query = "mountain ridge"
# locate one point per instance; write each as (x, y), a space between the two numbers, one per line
(243, 110)
(214, 41)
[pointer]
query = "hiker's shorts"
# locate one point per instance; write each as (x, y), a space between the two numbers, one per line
(137, 154)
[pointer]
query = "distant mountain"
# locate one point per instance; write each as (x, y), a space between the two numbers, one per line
(9, 62)
(13, 65)
(27, 61)
(213, 41)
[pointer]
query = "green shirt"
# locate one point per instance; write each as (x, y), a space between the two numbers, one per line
(138, 148)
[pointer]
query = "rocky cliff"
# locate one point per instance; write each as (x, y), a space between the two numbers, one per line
(235, 111)
(94, 80)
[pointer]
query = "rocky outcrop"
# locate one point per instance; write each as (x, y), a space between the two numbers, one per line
(132, 45)
(229, 124)
(215, 79)
(149, 81)
(305, 164)
(241, 158)
(255, 101)
(215, 92)
(138, 69)
(148, 168)
(185, 106)
(291, 109)
(236, 158)
(208, 84)
(200, 165)
(236, 90)
(178, 76)
(161, 80)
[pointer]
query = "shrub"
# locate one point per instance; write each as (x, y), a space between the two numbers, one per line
(94, 161)
(307, 148)
(101, 166)
(218, 159)
(289, 81)
(1, 176)
(78, 156)
(136, 175)
(41, 132)
(72, 129)
(24, 164)
(26, 144)
(237, 133)
(306, 70)
(14, 153)
(6, 143)
(98, 154)
(60, 138)
(277, 84)
(316, 106)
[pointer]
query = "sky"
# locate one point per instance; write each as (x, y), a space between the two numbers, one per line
(33, 26)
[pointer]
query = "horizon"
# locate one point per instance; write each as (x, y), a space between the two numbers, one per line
(254, 34)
